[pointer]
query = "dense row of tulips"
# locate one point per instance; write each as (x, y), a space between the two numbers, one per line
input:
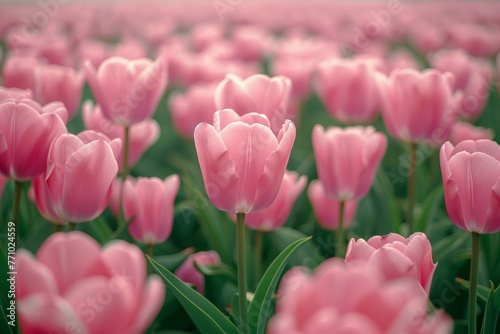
(261, 98)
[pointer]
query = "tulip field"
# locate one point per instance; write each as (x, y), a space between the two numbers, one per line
(238, 166)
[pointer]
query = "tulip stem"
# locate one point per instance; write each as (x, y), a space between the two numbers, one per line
(124, 173)
(474, 265)
(411, 185)
(339, 246)
(258, 253)
(58, 228)
(18, 190)
(242, 289)
(72, 226)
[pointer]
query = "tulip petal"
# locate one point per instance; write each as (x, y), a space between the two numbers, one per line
(36, 276)
(149, 305)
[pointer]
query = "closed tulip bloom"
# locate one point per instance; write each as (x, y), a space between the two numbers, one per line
(80, 171)
(128, 91)
(396, 256)
(274, 216)
(80, 287)
(242, 162)
(59, 83)
(149, 202)
(348, 90)
(465, 131)
(39, 194)
(298, 70)
(19, 72)
(326, 209)
(417, 106)
(142, 135)
(352, 300)
(256, 94)
(26, 132)
(188, 273)
(471, 178)
(193, 107)
(347, 159)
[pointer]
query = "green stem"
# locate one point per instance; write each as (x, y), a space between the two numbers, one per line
(242, 289)
(150, 250)
(340, 247)
(474, 265)
(18, 190)
(124, 172)
(257, 239)
(72, 226)
(411, 185)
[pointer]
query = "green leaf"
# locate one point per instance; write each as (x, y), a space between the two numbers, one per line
(482, 291)
(491, 311)
(219, 269)
(429, 207)
(308, 256)
(171, 262)
(205, 315)
(261, 302)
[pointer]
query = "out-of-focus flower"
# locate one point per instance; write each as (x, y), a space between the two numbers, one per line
(465, 131)
(26, 132)
(188, 273)
(256, 94)
(142, 135)
(395, 256)
(128, 91)
(347, 159)
(242, 161)
(326, 209)
(149, 202)
(80, 287)
(471, 178)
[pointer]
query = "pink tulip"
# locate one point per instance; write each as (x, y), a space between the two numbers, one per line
(465, 131)
(256, 94)
(354, 300)
(188, 273)
(274, 216)
(3, 182)
(80, 172)
(14, 93)
(26, 133)
(39, 194)
(250, 42)
(417, 105)
(242, 162)
(127, 91)
(19, 72)
(326, 209)
(347, 159)
(142, 135)
(74, 286)
(196, 105)
(150, 202)
(298, 70)
(395, 256)
(59, 83)
(348, 89)
(471, 178)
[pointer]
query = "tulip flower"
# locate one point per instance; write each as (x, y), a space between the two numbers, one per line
(395, 256)
(275, 215)
(3, 182)
(14, 93)
(298, 70)
(80, 287)
(195, 106)
(347, 160)
(471, 178)
(59, 83)
(80, 172)
(465, 131)
(19, 72)
(327, 209)
(128, 91)
(340, 299)
(27, 130)
(242, 162)
(348, 90)
(149, 204)
(188, 273)
(39, 194)
(256, 94)
(142, 135)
